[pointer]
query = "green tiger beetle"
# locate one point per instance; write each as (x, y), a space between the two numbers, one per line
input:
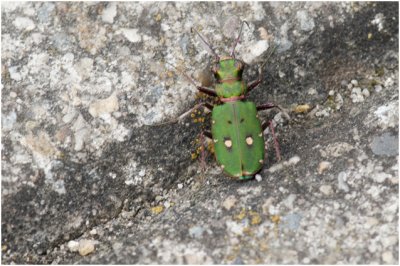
(236, 130)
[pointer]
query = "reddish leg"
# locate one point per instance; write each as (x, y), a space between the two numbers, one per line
(267, 106)
(275, 139)
(256, 82)
(205, 90)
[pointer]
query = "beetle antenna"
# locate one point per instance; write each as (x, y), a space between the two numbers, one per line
(208, 45)
(190, 79)
(238, 38)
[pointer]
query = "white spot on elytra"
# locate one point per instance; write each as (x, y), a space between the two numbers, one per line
(260, 161)
(228, 143)
(222, 166)
(249, 140)
(260, 135)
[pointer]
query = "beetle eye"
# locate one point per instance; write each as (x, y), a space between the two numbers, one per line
(238, 64)
(216, 68)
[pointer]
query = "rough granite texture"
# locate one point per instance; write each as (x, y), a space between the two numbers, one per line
(92, 174)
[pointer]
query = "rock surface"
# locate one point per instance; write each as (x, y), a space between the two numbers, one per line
(87, 166)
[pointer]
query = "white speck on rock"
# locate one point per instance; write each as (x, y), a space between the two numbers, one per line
(229, 202)
(258, 177)
(326, 190)
(365, 92)
(312, 91)
(132, 35)
(73, 246)
(323, 166)
(142, 172)
(180, 186)
(294, 160)
(82, 131)
(388, 82)
(255, 50)
(336, 149)
(23, 23)
(356, 95)
(235, 227)
(387, 115)
(378, 88)
(342, 178)
(288, 202)
(86, 247)
(14, 74)
(379, 20)
(109, 13)
(354, 82)
(8, 121)
(380, 177)
(387, 257)
(306, 22)
(59, 187)
(107, 105)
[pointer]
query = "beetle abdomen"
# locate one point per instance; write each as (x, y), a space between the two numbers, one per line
(238, 139)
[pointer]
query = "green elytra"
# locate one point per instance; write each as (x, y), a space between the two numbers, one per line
(236, 130)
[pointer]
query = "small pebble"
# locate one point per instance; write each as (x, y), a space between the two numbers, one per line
(142, 173)
(302, 108)
(180, 186)
(342, 177)
(326, 190)
(258, 178)
(73, 246)
(229, 202)
(86, 247)
(312, 91)
(387, 257)
(378, 88)
(365, 92)
(324, 165)
(354, 82)
(356, 95)
(157, 209)
(93, 232)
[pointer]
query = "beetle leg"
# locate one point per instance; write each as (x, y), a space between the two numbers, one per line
(256, 82)
(205, 90)
(208, 134)
(207, 106)
(275, 139)
(267, 106)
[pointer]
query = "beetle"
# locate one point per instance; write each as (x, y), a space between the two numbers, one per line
(236, 130)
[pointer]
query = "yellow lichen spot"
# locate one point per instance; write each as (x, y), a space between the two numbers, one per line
(158, 17)
(302, 108)
(3, 248)
(263, 247)
(194, 156)
(157, 209)
(195, 120)
(170, 74)
(255, 218)
(247, 231)
(241, 215)
(275, 219)
(369, 35)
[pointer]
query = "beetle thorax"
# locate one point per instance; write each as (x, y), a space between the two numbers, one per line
(228, 73)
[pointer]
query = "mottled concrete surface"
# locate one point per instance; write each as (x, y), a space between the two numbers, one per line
(89, 175)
